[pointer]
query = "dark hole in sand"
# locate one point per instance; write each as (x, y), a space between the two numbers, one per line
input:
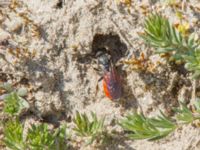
(111, 44)
(59, 4)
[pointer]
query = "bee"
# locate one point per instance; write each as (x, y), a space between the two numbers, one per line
(112, 85)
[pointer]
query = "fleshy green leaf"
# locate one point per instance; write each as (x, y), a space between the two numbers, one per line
(86, 127)
(14, 104)
(161, 34)
(140, 127)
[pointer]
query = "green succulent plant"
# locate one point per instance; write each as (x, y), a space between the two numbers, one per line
(141, 127)
(38, 137)
(197, 106)
(88, 128)
(167, 40)
(14, 103)
(193, 62)
(13, 135)
(185, 115)
(162, 35)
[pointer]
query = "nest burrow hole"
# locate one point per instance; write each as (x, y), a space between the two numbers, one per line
(112, 45)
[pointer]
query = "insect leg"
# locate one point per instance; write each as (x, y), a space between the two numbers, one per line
(97, 86)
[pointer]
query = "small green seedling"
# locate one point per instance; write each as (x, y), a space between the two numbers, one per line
(14, 101)
(40, 138)
(160, 34)
(88, 128)
(14, 104)
(185, 116)
(13, 135)
(197, 106)
(193, 62)
(168, 41)
(141, 127)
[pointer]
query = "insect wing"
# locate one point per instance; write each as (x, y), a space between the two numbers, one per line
(112, 84)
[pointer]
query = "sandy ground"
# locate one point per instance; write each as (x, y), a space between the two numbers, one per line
(53, 50)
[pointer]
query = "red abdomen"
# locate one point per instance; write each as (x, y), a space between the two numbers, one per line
(112, 84)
